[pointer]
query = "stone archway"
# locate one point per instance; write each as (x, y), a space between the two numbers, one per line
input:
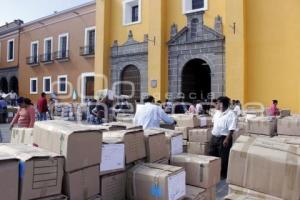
(131, 82)
(196, 80)
(4, 85)
(14, 84)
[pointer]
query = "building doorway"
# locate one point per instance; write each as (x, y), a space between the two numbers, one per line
(87, 86)
(13, 84)
(4, 85)
(196, 80)
(131, 82)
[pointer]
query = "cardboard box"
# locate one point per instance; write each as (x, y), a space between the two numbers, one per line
(55, 197)
(22, 136)
(41, 171)
(272, 167)
(198, 148)
(113, 186)
(262, 125)
(112, 158)
(200, 135)
(245, 193)
(79, 144)
(289, 126)
(9, 176)
(122, 117)
(155, 141)
(196, 193)
(167, 126)
(205, 121)
(184, 130)
(174, 141)
(201, 171)
(285, 113)
(156, 182)
(82, 184)
(292, 140)
(186, 120)
(134, 143)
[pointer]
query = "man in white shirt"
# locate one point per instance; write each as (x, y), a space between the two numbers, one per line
(225, 124)
(237, 108)
(150, 115)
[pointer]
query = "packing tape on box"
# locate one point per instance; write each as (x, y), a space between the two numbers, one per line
(85, 184)
(291, 168)
(21, 169)
(23, 136)
(246, 147)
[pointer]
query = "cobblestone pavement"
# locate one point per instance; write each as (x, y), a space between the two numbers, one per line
(222, 187)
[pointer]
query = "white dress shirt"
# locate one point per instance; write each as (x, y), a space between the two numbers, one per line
(150, 115)
(237, 110)
(224, 122)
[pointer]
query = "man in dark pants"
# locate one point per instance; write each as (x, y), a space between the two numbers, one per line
(224, 126)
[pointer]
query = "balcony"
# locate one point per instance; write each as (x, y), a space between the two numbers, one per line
(32, 61)
(46, 58)
(62, 56)
(87, 51)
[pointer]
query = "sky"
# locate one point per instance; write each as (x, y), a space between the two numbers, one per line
(28, 10)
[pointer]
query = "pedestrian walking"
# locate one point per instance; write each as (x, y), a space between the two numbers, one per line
(25, 116)
(42, 107)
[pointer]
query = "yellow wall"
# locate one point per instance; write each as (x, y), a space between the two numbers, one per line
(273, 52)
(157, 18)
(235, 49)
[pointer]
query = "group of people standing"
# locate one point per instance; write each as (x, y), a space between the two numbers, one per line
(224, 120)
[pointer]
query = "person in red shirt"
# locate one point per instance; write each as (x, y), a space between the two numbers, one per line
(25, 116)
(42, 107)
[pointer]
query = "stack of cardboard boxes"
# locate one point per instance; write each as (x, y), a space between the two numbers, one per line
(114, 161)
(80, 146)
(196, 132)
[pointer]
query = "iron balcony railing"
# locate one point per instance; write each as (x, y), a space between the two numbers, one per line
(32, 60)
(46, 58)
(62, 55)
(87, 50)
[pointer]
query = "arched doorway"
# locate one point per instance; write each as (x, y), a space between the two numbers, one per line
(131, 74)
(196, 80)
(13, 84)
(4, 85)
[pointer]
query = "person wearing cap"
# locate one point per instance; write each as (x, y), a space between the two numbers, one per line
(150, 115)
(25, 116)
(224, 125)
(42, 106)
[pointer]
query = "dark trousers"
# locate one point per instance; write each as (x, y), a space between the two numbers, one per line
(217, 149)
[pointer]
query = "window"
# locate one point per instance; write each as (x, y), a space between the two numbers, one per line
(10, 50)
(34, 52)
(63, 45)
(62, 84)
(48, 48)
(131, 12)
(90, 39)
(190, 6)
(47, 84)
(33, 85)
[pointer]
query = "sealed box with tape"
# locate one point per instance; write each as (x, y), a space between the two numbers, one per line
(40, 171)
(196, 193)
(201, 171)
(151, 181)
(79, 144)
(265, 166)
(262, 125)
